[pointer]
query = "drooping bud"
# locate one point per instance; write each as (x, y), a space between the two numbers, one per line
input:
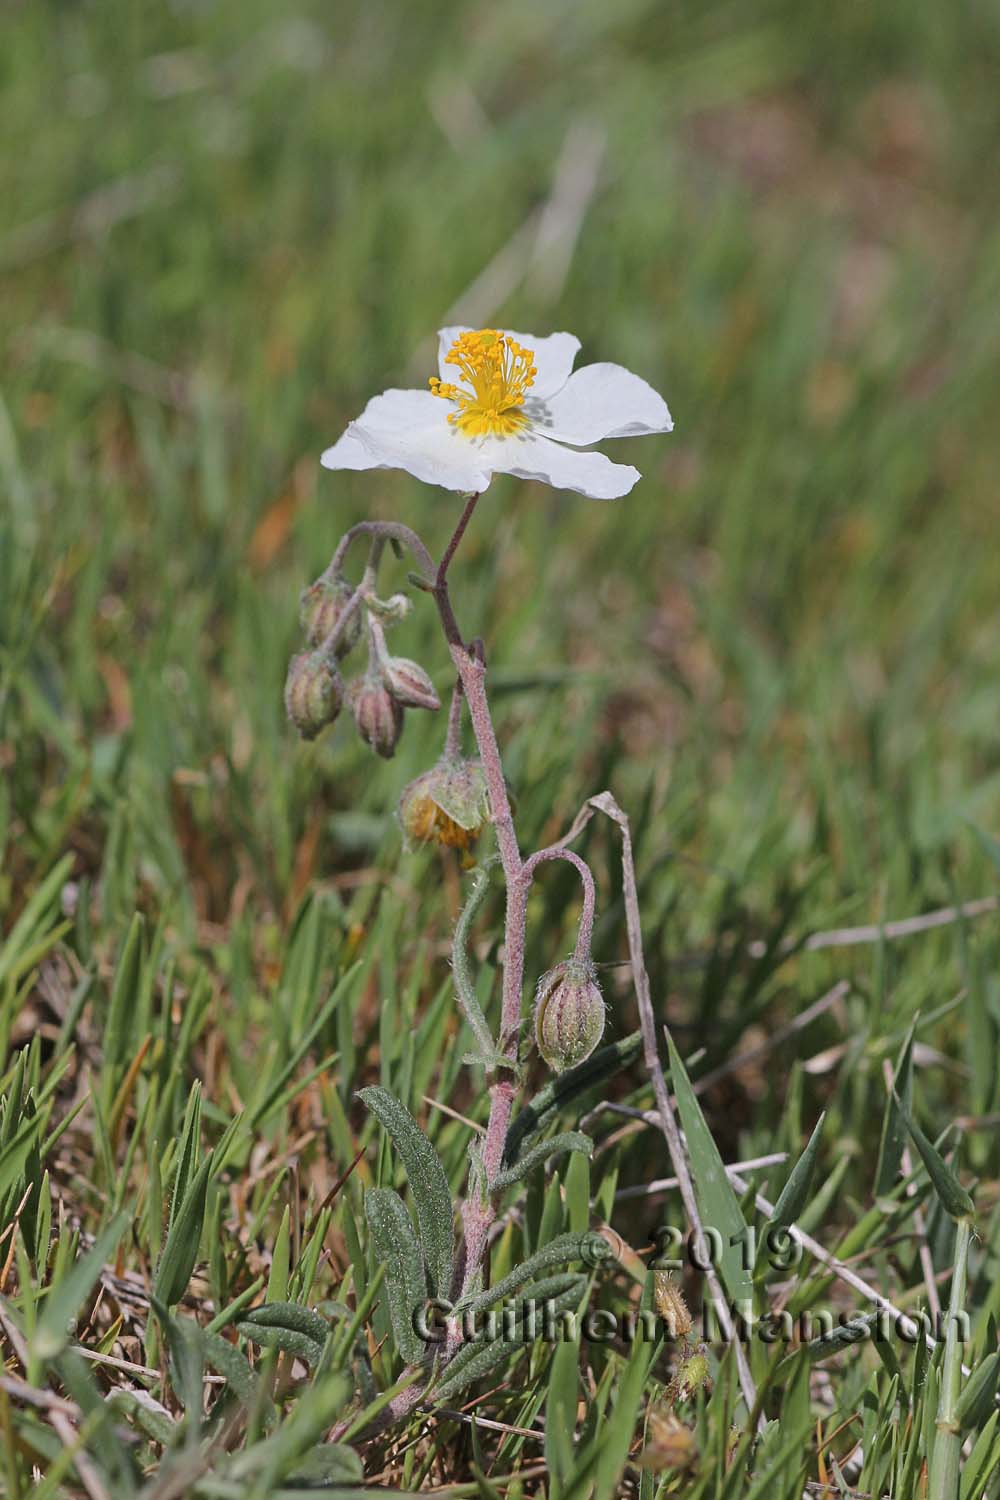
(392, 610)
(447, 805)
(314, 693)
(569, 1014)
(320, 608)
(408, 683)
(377, 714)
(670, 1444)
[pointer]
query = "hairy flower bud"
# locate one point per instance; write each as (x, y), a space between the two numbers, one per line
(408, 683)
(320, 608)
(391, 611)
(668, 1299)
(569, 1014)
(670, 1444)
(446, 805)
(314, 693)
(377, 714)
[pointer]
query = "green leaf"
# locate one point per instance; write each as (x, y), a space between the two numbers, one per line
(230, 1362)
(952, 1195)
(560, 1413)
(795, 1193)
(893, 1141)
(618, 1429)
(557, 1294)
(977, 1399)
(183, 1239)
(719, 1207)
(68, 1297)
(397, 1248)
(570, 1140)
(285, 1339)
(465, 987)
(16, 955)
(428, 1183)
(561, 1090)
(292, 1316)
(122, 1007)
(982, 1461)
(590, 1247)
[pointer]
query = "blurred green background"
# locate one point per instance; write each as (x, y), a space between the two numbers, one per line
(228, 225)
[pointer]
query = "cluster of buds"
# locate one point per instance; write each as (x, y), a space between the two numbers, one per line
(390, 685)
(569, 1013)
(447, 805)
(331, 617)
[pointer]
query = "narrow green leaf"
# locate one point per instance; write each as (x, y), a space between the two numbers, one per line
(229, 1361)
(561, 1403)
(719, 1207)
(952, 1195)
(893, 1141)
(396, 1247)
(25, 930)
(67, 1298)
(795, 1193)
(122, 1007)
(561, 1090)
(976, 1400)
(285, 1339)
(549, 1298)
(982, 1461)
(183, 1239)
(465, 985)
(592, 1248)
(290, 1315)
(570, 1140)
(277, 1281)
(428, 1183)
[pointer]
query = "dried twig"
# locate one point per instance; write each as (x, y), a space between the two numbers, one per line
(664, 1113)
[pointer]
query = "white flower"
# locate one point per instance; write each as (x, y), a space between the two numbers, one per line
(506, 403)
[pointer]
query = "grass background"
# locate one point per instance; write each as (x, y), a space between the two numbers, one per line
(227, 226)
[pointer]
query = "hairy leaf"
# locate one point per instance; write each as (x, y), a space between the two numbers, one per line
(570, 1140)
(567, 1086)
(590, 1247)
(428, 1183)
(405, 1278)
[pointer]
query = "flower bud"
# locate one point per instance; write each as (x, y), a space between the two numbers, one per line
(569, 1014)
(668, 1299)
(393, 610)
(320, 608)
(408, 683)
(670, 1444)
(314, 693)
(377, 714)
(447, 805)
(692, 1375)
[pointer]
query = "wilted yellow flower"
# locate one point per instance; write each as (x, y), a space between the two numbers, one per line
(447, 805)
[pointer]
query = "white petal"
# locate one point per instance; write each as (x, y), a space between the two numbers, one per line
(410, 430)
(348, 452)
(554, 356)
(603, 401)
(531, 456)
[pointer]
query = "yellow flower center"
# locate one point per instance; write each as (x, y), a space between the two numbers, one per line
(499, 373)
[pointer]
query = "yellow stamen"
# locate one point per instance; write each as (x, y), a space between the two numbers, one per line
(499, 371)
